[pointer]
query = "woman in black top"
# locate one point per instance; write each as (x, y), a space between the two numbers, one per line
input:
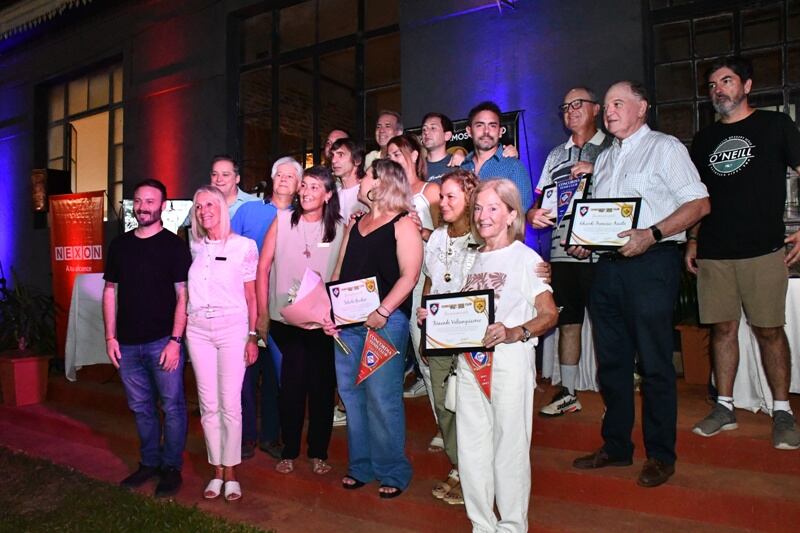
(384, 243)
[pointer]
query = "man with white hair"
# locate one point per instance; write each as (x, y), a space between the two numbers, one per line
(253, 220)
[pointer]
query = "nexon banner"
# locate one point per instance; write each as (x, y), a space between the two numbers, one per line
(76, 240)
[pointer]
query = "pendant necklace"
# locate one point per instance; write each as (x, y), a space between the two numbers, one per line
(307, 251)
(449, 253)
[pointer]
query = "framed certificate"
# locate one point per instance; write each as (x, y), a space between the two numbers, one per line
(353, 301)
(550, 200)
(597, 222)
(456, 322)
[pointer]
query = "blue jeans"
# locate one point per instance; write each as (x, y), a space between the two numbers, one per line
(264, 368)
(376, 424)
(145, 384)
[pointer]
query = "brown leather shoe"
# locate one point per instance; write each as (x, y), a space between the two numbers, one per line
(655, 473)
(599, 459)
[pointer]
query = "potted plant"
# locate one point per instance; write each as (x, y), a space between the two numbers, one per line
(27, 337)
(695, 339)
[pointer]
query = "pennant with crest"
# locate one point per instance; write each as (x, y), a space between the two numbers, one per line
(377, 351)
(481, 365)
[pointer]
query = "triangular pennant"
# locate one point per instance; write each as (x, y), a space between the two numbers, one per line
(481, 365)
(377, 351)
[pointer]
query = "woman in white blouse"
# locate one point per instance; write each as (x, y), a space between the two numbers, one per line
(449, 256)
(220, 334)
(494, 435)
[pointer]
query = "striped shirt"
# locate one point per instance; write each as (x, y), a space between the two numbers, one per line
(652, 166)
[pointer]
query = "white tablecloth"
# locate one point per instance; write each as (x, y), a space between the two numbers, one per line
(750, 390)
(86, 342)
(587, 366)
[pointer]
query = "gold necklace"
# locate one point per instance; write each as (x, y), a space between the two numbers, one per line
(449, 253)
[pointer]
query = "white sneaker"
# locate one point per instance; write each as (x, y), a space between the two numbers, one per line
(339, 417)
(563, 402)
(416, 389)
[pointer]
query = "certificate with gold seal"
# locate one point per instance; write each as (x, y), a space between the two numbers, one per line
(597, 223)
(353, 301)
(456, 322)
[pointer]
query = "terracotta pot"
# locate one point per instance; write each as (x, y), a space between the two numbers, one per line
(696, 352)
(23, 377)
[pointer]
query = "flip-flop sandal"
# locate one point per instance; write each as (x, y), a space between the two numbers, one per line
(455, 496)
(285, 466)
(356, 484)
(388, 495)
(212, 489)
(442, 488)
(319, 466)
(233, 491)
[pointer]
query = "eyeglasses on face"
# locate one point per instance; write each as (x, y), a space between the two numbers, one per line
(575, 104)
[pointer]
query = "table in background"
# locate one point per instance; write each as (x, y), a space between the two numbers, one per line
(86, 340)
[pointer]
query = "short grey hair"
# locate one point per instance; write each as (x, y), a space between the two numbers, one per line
(587, 90)
(298, 168)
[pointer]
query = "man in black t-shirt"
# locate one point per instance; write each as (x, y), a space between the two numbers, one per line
(737, 251)
(144, 310)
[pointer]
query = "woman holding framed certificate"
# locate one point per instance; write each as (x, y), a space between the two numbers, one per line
(495, 413)
(449, 255)
(220, 332)
(386, 244)
(305, 238)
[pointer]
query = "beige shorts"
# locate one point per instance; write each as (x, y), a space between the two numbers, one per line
(757, 284)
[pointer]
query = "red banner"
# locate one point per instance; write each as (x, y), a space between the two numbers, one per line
(76, 247)
(481, 365)
(377, 351)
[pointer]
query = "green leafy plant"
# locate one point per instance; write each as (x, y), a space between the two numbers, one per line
(27, 318)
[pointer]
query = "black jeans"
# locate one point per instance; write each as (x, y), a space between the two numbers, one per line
(307, 372)
(631, 306)
(262, 370)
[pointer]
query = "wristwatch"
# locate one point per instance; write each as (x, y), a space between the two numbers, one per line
(179, 340)
(526, 334)
(656, 233)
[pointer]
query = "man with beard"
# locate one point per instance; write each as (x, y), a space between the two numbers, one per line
(737, 251)
(147, 268)
(487, 160)
(388, 125)
(572, 277)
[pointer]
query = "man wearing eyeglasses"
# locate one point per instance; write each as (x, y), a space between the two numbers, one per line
(571, 277)
(738, 250)
(634, 288)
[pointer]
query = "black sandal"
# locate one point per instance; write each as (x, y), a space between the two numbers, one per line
(356, 484)
(388, 495)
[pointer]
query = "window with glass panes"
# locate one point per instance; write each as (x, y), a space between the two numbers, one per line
(97, 95)
(306, 68)
(686, 36)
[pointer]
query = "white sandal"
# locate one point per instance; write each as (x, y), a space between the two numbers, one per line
(212, 489)
(233, 491)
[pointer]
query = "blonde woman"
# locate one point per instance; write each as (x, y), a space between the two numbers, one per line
(494, 437)
(384, 243)
(220, 334)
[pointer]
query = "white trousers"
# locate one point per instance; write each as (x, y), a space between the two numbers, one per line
(494, 441)
(216, 348)
(416, 335)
